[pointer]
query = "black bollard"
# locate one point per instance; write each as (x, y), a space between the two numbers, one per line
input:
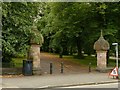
(61, 67)
(51, 67)
(89, 67)
(117, 77)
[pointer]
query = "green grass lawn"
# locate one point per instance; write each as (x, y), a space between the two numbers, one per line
(84, 62)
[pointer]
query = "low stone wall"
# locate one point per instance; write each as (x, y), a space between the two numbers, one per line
(11, 71)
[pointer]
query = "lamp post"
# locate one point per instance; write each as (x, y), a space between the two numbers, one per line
(116, 48)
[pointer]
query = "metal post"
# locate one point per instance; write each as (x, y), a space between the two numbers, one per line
(116, 48)
(117, 55)
(89, 67)
(51, 66)
(61, 67)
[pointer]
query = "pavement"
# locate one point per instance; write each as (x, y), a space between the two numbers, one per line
(59, 80)
(105, 86)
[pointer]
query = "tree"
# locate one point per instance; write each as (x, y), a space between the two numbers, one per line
(78, 25)
(17, 19)
(68, 23)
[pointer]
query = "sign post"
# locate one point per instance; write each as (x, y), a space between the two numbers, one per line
(115, 70)
(116, 48)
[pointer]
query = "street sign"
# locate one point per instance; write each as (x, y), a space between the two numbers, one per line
(114, 72)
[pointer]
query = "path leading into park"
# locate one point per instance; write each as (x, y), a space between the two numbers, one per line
(69, 67)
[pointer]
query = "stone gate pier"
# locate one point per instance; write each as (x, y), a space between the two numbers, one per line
(101, 46)
(34, 50)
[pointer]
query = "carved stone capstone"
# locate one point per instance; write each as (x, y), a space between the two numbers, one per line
(101, 44)
(36, 37)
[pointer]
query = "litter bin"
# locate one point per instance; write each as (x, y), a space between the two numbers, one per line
(27, 67)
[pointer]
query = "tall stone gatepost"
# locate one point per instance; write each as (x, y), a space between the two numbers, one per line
(34, 50)
(101, 46)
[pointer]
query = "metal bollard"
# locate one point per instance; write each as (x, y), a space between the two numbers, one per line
(90, 67)
(61, 67)
(51, 67)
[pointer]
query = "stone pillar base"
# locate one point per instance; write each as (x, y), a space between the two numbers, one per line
(103, 70)
(36, 71)
(34, 54)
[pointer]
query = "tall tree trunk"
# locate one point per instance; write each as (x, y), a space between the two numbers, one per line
(71, 51)
(61, 52)
(79, 47)
(65, 50)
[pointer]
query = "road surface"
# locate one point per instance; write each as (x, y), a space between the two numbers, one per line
(110, 85)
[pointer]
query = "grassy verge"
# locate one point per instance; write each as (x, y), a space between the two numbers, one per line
(84, 62)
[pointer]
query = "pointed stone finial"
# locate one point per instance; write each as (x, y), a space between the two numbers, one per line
(101, 44)
(101, 33)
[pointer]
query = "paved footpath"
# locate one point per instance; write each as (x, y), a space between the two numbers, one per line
(45, 81)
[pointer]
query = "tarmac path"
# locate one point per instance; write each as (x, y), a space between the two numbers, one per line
(69, 67)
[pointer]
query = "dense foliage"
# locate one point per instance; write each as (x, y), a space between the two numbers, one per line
(17, 22)
(67, 27)
(74, 27)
